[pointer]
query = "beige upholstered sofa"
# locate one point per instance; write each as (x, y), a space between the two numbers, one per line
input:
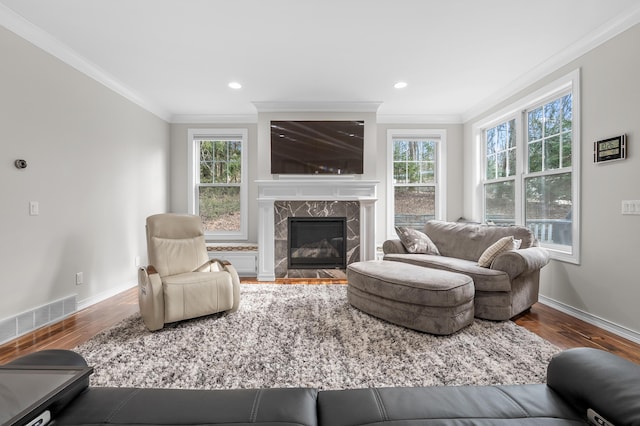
(181, 282)
(506, 287)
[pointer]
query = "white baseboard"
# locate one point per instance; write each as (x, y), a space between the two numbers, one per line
(85, 303)
(614, 328)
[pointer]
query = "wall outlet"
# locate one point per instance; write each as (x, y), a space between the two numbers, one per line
(79, 278)
(136, 261)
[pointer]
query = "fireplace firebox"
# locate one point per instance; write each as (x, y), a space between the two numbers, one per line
(317, 243)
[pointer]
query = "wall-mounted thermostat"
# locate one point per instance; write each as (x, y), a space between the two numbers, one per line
(610, 149)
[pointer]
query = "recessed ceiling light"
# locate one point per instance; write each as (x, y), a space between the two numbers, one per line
(235, 85)
(400, 85)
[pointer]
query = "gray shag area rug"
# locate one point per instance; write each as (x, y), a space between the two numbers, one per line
(310, 336)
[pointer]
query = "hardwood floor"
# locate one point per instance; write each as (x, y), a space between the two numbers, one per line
(566, 332)
(559, 328)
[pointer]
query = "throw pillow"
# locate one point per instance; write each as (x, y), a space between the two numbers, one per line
(415, 241)
(500, 246)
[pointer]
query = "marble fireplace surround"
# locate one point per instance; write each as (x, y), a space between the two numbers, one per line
(313, 196)
(314, 209)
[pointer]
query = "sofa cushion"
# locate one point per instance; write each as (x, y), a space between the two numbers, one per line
(483, 279)
(500, 246)
(127, 406)
(468, 241)
(194, 294)
(415, 241)
(446, 405)
(409, 283)
(589, 378)
(176, 256)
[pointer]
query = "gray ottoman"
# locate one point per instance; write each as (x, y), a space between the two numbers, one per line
(424, 299)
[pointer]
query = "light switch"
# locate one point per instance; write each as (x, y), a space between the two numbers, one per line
(631, 207)
(34, 208)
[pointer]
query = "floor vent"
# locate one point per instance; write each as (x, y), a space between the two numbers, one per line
(26, 322)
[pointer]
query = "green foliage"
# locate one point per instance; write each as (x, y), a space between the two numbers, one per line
(549, 135)
(500, 201)
(548, 144)
(501, 150)
(218, 201)
(220, 167)
(414, 161)
(220, 161)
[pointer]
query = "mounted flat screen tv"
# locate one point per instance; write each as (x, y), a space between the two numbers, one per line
(317, 147)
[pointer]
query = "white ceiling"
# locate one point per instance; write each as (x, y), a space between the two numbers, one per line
(176, 57)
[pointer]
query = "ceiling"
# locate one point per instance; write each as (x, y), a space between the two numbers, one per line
(176, 57)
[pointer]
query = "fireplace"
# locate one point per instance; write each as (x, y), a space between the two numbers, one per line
(279, 199)
(317, 243)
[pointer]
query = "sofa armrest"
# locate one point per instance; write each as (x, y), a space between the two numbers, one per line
(590, 378)
(151, 298)
(57, 358)
(393, 246)
(235, 281)
(224, 265)
(523, 261)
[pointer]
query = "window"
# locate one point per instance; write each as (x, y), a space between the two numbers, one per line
(530, 173)
(218, 181)
(500, 172)
(416, 192)
(548, 195)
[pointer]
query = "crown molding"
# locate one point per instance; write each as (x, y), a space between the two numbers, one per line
(317, 106)
(213, 118)
(40, 38)
(601, 35)
(419, 119)
(253, 118)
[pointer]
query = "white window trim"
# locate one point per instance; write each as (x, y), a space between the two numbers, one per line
(192, 208)
(441, 173)
(518, 177)
(571, 80)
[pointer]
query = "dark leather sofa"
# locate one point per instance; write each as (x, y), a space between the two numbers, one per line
(578, 380)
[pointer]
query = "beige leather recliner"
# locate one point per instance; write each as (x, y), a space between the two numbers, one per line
(181, 282)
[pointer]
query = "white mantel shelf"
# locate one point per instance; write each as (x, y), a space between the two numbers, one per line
(313, 188)
(321, 188)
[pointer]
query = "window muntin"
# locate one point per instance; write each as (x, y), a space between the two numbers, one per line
(548, 183)
(500, 170)
(501, 150)
(415, 184)
(547, 178)
(219, 184)
(548, 208)
(549, 136)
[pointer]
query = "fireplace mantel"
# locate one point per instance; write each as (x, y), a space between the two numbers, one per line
(312, 188)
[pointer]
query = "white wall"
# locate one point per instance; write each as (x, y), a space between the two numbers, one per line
(97, 165)
(606, 284)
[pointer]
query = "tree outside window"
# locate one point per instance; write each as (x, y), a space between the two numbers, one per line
(218, 178)
(547, 179)
(219, 185)
(500, 171)
(414, 181)
(548, 185)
